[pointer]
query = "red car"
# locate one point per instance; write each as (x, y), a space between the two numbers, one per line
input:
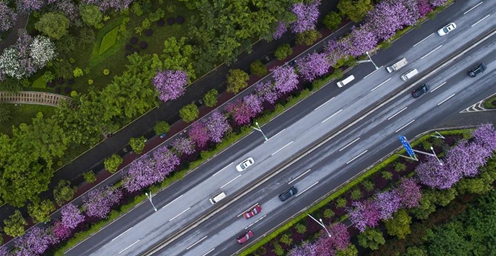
(254, 211)
(242, 239)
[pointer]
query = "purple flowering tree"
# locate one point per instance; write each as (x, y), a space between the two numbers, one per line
(240, 112)
(141, 173)
(409, 193)
(254, 103)
(71, 216)
(388, 203)
(217, 126)
(7, 17)
(437, 3)
(99, 201)
(306, 16)
(340, 238)
(485, 135)
(383, 21)
(305, 249)
(467, 158)
(165, 162)
(104, 5)
(313, 65)
(198, 133)
(34, 242)
(266, 90)
(30, 5)
(60, 231)
(411, 14)
(364, 214)
(184, 146)
(360, 40)
(424, 7)
(286, 79)
(431, 174)
(335, 50)
(280, 30)
(170, 84)
(3, 250)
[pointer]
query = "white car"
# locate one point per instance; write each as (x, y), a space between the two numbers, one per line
(446, 29)
(245, 164)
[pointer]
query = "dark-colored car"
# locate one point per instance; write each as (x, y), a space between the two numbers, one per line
(254, 211)
(477, 69)
(245, 237)
(288, 193)
(420, 91)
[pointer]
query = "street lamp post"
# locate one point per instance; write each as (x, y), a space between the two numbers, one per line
(260, 130)
(368, 55)
(149, 196)
(321, 223)
(435, 155)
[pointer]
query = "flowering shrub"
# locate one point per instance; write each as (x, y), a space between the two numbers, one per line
(170, 84)
(388, 203)
(240, 112)
(71, 216)
(184, 146)
(266, 91)
(198, 133)
(253, 103)
(7, 17)
(364, 214)
(99, 201)
(217, 126)
(286, 79)
(34, 242)
(165, 161)
(313, 65)
(485, 135)
(42, 50)
(409, 193)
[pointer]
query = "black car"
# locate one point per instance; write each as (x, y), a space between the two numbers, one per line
(477, 69)
(420, 91)
(288, 193)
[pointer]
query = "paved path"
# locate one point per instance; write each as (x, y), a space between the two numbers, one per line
(21, 22)
(36, 98)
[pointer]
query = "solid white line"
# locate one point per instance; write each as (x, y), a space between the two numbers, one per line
(282, 148)
(180, 214)
(387, 80)
(475, 6)
(121, 234)
(277, 133)
(407, 124)
(429, 53)
(423, 40)
(349, 144)
(354, 158)
(437, 87)
(172, 201)
(305, 190)
(446, 99)
(332, 115)
(324, 103)
(299, 176)
(208, 252)
(129, 246)
(196, 243)
(222, 169)
(373, 72)
(397, 113)
(230, 181)
(247, 227)
(480, 20)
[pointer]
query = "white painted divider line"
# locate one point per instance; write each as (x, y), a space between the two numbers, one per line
(299, 176)
(180, 214)
(449, 97)
(475, 6)
(371, 73)
(387, 80)
(305, 190)
(281, 148)
(247, 227)
(359, 155)
(121, 234)
(429, 53)
(437, 87)
(172, 201)
(324, 103)
(195, 243)
(222, 169)
(129, 246)
(423, 40)
(402, 127)
(349, 144)
(397, 113)
(480, 20)
(332, 115)
(209, 252)
(278, 133)
(230, 181)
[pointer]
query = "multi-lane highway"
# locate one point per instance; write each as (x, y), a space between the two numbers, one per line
(342, 156)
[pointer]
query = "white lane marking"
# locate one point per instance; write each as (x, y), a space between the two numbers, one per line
(277, 134)
(305, 190)
(172, 201)
(423, 40)
(208, 252)
(129, 246)
(332, 115)
(480, 20)
(429, 53)
(451, 96)
(437, 87)
(299, 176)
(222, 169)
(379, 68)
(402, 127)
(230, 181)
(359, 155)
(397, 113)
(247, 227)
(475, 6)
(121, 234)
(282, 148)
(387, 80)
(180, 214)
(196, 243)
(349, 144)
(324, 103)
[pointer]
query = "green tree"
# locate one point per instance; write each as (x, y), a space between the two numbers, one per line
(258, 68)
(350, 250)
(63, 192)
(356, 194)
(355, 9)
(53, 24)
(371, 238)
(308, 37)
(416, 251)
(387, 175)
(283, 51)
(300, 228)
(90, 14)
(161, 127)
(210, 98)
(450, 240)
(368, 185)
(178, 55)
(480, 184)
(14, 225)
(286, 239)
(5, 113)
(137, 144)
(40, 211)
(399, 225)
(189, 113)
(328, 213)
(112, 163)
(89, 176)
(237, 80)
(332, 20)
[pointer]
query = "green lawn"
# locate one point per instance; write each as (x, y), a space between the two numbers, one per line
(23, 114)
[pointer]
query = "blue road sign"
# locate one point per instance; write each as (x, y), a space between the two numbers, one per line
(406, 145)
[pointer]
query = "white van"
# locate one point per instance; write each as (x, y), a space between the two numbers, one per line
(217, 198)
(411, 73)
(346, 81)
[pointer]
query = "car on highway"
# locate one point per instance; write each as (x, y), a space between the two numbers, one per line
(254, 211)
(420, 91)
(245, 237)
(245, 164)
(446, 29)
(288, 193)
(477, 69)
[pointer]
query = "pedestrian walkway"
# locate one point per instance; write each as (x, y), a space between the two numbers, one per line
(36, 98)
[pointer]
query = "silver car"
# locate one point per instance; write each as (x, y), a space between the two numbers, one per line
(245, 164)
(446, 29)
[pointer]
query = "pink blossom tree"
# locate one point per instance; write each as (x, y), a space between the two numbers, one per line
(305, 249)
(254, 103)
(437, 3)
(388, 203)
(409, 193)
(217, 126)
(240, 112)
(60, 231)
(280, 30)
(485, 135)
(99, 201)
(286, 79)
(313, 65)
(184, 146)
(165, 162)
(431, 174)
(327, 246)
(267, 91)
(306, 16)
(424, 7)
(170, 84)
(364, 214)
(71, 216)
(198, 133)
(7, 17)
